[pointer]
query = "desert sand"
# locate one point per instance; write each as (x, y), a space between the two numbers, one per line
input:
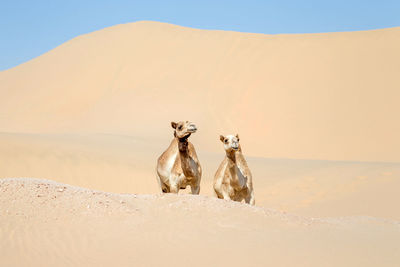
(81, 128)
(69, 226)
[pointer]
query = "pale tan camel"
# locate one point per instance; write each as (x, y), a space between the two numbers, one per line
(178, 166)
(233, 178)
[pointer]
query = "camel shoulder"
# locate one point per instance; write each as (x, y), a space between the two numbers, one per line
(171, 151)
(222, 169)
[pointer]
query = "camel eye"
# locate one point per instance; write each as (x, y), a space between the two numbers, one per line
(226, 141)
(180, 127)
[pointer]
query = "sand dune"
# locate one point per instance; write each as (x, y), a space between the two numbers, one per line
(318, 120)
(63, 226)
(314, 96)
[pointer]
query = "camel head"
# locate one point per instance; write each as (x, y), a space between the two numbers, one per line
(183, 128)
(231, 142)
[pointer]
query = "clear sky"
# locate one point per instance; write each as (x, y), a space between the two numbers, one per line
(32, 27)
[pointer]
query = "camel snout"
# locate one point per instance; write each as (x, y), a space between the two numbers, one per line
(235, 146)
(192, 128)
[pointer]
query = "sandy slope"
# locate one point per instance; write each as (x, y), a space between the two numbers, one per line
(59, 225)
(95, 113)
(122, 164)
(316, 96)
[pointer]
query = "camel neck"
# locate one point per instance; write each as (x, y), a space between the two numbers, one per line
(183, 145)
(186, 158)
(234, 166)
(231, 155)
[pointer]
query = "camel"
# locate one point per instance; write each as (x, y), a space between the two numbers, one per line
(179, 166)
(233, 180)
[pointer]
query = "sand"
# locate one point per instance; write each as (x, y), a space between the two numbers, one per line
(331, 96)
(58, 225)
(81, 128)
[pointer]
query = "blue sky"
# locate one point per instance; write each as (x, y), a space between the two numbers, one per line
(31, 28)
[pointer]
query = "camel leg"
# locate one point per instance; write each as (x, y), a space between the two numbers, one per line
(164, 188)
(217, 192)
(219, 196)
(195, 189)
(226, 196)
(174, 188)
(250, 199)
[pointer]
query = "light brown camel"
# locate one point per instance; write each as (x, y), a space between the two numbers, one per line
(178, 166)
(233, 178)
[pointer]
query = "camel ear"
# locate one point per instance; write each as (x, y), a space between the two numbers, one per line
(173, 124)
(222, 138)
(237, 136)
